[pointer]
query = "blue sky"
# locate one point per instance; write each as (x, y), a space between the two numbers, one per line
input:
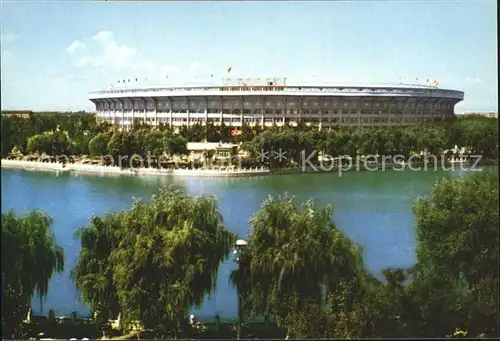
(54, 53)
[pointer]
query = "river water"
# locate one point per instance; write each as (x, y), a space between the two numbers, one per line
(373, 208)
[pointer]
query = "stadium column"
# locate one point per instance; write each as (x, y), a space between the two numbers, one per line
(187, 106)
(413, 109)
(145, 110)
(389, 113)
(362, 103)
(123, 113)
(108, 111)
(221, 118)
(300, 110)
(262, 113)
(133, 112)
(284, 111)
(111, 118)
(107, 107)
(442, 106)
(206, 110)
(435, 109)
(424, 109)
(320, 111)
(405, 110)
(419, 111)
(104, 112)
(155, 104)
(448, 102)
(374, 119)
(241, 111)
(98, 111)
(115, 120)
(170, 111)
(444, 111)
(428, 109)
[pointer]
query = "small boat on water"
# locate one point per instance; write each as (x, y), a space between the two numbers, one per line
(460, 160)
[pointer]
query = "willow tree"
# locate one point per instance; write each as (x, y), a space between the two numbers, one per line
(30, 256)
(294, 260)
(456, 277)
(93, 271)
(155, 261)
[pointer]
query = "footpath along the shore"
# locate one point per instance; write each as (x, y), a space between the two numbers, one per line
(101, 169)
(229, 171)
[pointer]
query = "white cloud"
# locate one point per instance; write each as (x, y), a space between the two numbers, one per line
(75, 46)
(194, 66)
(102, 51)
(104, 36)
(8, 37)
(108, 54)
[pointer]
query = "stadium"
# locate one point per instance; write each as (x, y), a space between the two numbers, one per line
(271, 102)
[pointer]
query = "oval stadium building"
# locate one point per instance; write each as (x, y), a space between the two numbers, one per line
(272, 102)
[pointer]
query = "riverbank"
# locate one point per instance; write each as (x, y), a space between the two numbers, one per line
(100, 169)
(232, 171)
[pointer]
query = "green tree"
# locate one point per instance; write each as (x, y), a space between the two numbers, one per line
(196, 133)
(122, 145)
(60, 142)
(294, 258)
(15, 132)
(41, 143)
(154, 142)
(225, 133)
(456, 277)
(175, 144)
(212, 133)
(98, 144)
(30, 256)
(93, 272)
(114, 146)
(155, 261)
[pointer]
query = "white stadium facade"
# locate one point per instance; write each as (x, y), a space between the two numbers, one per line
(272, 102)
